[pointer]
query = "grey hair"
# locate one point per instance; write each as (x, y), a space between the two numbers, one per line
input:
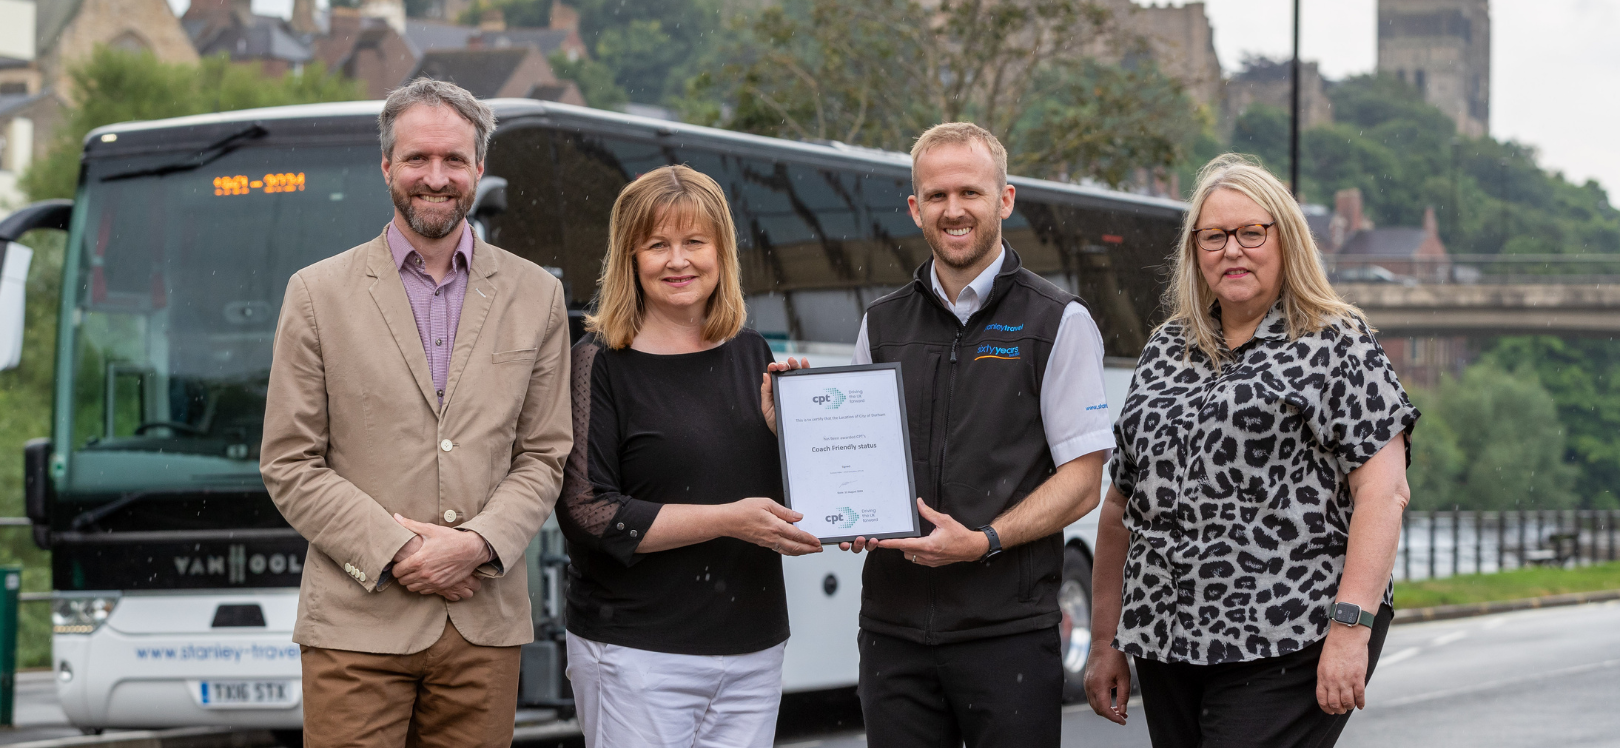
(436, 93)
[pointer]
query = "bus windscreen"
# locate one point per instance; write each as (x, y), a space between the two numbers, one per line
(179, 281)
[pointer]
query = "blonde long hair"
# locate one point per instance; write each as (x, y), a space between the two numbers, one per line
(668, 191)
(1309, 301)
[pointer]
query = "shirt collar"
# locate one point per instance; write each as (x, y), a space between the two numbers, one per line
(980, 285)
(401, 248)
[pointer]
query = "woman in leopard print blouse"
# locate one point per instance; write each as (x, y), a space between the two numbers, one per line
(1258, 482)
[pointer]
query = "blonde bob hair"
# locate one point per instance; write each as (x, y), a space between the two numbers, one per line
(1309, 301)
(687, 195)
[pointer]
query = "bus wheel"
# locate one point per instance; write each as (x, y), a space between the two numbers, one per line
(289, 738)
(1074, 600)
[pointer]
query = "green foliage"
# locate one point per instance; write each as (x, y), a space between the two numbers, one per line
(1518, 584)
(1491, 440)
(1405, 155)
(651, 46)
(114, 85)
(878, 72)
(1583, 378)
(595, 80)
(516, 13)
(25, 413)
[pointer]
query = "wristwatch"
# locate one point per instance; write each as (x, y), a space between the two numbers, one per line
(1351, 614)
(995, 542)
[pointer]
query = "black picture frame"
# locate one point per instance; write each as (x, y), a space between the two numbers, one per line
(905, 431)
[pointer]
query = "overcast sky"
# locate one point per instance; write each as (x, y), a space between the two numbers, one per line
(1554, 65)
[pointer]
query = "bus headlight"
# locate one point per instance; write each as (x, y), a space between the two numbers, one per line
(81, 614)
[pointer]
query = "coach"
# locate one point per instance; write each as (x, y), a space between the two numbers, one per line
(1009, 433)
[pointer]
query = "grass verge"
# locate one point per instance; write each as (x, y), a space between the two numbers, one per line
(1508, 585)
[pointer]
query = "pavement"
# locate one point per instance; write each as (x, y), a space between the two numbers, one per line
(1523, 679)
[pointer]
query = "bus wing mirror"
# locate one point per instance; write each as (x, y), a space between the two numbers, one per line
(13, 310)
(490, 201)
(491, 197)
(46, 214)
(38, 489)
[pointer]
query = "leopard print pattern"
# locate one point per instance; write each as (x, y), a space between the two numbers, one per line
(1239, 499)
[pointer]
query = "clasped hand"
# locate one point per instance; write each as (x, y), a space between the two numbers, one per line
(950, 543)
(440, 560)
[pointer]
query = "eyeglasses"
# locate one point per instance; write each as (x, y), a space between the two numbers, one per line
(1248, 237)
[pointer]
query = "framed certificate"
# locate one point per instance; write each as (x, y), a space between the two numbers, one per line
(846, 451)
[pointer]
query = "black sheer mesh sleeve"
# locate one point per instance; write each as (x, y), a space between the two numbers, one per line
(592, 511)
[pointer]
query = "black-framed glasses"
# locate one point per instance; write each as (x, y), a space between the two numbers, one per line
(1248, 237)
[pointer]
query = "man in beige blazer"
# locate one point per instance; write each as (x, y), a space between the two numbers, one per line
(415, 430)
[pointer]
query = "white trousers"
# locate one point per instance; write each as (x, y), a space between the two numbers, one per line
(632, 697)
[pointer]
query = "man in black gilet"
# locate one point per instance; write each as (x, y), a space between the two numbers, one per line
(1009, 433)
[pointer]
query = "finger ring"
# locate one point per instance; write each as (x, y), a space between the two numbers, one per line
(913, 558)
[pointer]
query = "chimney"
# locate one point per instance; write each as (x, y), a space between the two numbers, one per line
(1431, 226)
(564, 16)
(1347, 203)
(492, 20)
(390, 11)
(303, 17)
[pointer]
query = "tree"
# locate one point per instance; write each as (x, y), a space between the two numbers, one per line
(1490, 440)
(1583, 378)
(878, 72)
(114, 85)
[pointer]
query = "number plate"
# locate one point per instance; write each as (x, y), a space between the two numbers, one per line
(236, 694)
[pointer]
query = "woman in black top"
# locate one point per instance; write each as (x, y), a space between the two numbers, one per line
(1245, 549)
(677, 616)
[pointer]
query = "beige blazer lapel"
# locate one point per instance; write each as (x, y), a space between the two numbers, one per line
(389, 292)
(475, 306)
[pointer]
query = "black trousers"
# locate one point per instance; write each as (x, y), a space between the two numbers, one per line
(1005, 691)
(1268, 703)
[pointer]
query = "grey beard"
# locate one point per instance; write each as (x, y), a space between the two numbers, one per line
(427, 227)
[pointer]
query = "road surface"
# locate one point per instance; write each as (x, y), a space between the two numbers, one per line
(1527, 679)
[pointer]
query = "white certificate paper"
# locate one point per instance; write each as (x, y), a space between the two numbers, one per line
(846, 452)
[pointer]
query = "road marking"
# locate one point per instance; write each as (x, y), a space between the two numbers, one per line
(1494, 623)
(1441, 641)
(1401, 656)
(1489, 685)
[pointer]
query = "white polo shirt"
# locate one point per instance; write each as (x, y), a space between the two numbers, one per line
(1074, 409)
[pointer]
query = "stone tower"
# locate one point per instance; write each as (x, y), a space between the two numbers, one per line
(1442, 47)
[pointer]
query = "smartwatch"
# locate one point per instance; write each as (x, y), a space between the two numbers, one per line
(1351, 614)
(995, 542)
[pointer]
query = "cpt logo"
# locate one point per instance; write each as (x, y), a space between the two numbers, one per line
(832, 399)
(843, 519)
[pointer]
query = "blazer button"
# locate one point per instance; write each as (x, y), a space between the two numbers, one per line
(449, 515)
(362, 576)
(446, 445)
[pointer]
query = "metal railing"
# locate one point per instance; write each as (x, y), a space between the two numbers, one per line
(1471, 269)
(1439, 544)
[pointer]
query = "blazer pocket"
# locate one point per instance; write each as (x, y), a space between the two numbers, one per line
(525, 354)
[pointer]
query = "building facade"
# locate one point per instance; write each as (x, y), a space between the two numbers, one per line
(1443, 48)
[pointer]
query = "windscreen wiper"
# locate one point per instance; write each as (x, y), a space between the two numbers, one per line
(91, 517)
(209, 154)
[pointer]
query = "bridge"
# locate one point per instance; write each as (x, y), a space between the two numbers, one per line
(1456, 298)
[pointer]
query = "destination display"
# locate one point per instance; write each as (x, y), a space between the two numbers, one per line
(240, 184)
(846, 451)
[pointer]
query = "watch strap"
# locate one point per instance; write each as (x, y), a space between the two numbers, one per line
(995, 542)
(1368, 618)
